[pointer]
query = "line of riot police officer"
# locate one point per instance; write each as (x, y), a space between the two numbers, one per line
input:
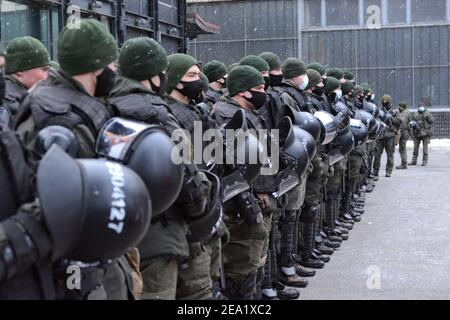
(106, 173)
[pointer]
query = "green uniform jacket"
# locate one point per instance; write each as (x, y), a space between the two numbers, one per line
(404, 117)
(165, 238)
(15, 92)
(425, 120)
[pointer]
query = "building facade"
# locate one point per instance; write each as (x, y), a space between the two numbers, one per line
(164, 20)
(400, 47)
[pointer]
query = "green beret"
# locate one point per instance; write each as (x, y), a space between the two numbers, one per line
(347, 87)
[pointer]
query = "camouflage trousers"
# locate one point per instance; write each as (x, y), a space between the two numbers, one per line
(402, 150)
(425, 140)
(168, 278)
(387, 144)
(245, 254)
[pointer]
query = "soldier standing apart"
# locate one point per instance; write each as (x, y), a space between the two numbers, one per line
(404, 116)
(423, 134)
(388, 141)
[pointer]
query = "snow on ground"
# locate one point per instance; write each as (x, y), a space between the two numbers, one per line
(434, 144)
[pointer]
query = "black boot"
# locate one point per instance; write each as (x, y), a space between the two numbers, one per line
(308, 235)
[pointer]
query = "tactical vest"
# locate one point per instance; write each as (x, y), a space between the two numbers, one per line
(186, 115)
(212, 96)
(16, 189)
(14, 95)
(313, 104)
(142, 107)
(299, 97)
(224, 112)
(51, 105)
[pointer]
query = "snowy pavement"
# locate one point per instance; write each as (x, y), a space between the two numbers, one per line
(400, 249)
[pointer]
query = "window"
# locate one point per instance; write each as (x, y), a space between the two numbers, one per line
(428, 11)
(397, 11)
(18, 20)
(342, 12)
(312, 13)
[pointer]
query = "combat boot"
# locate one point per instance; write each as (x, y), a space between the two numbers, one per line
(376, 177)
(308, 260)
(401, 167)
(285, 293)
(357, 210)
(293, 280)
(388, 175)
(357, 217)
(342, 224)
(413, 162)
(342, 230)
(323, 249)
(332, 244)
(303, 271)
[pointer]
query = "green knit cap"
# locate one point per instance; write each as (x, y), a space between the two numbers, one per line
(318, 67)
(347, 87)
(142, 58)
(25, 53)
(243, 78)
(293, 67)
(85, 49)
(366, 88)
(335, 73)
(331, 84)
(256, 62)
(205, 81)
(348, 75)
(314, 78)
(179, 64)
(272, 59)
(358, 90)
(214, 70)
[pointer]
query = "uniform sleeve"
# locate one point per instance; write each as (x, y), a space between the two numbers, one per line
(289, 101)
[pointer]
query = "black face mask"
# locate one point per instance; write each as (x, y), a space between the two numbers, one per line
(318, 91)
(258, 99)
(275, 79)
(105, 82)
(162, 84)
(266, 82)
(191, 89)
